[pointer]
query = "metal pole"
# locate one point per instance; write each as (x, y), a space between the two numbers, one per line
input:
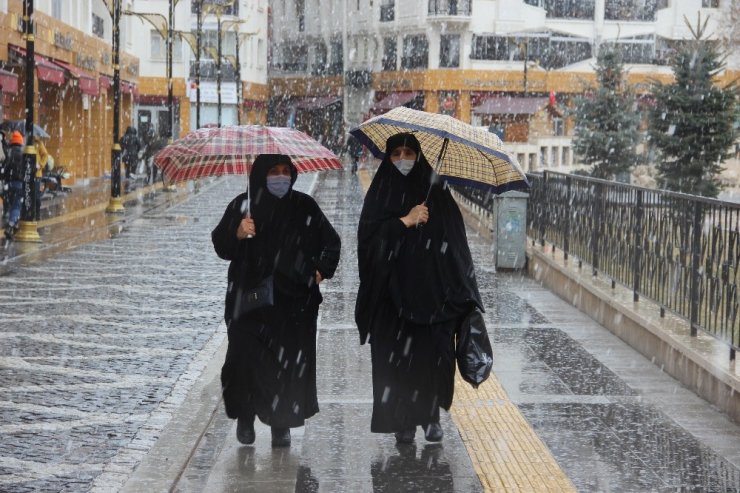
(170, 100)
(198, 29)
(696, 264)
(526, 57)
(238, 82)
(218, 67)
(116, 205)
(27, 231)
(638, 237)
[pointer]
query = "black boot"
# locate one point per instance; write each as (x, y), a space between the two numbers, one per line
(433, 432)
(406, 436)
(245, 430)
(280, 437)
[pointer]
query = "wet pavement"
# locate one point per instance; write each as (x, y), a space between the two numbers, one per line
(102, 343)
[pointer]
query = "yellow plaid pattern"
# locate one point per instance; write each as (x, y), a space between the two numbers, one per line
(472, 154)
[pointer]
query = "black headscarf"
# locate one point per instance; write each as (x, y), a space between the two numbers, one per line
(428, 269)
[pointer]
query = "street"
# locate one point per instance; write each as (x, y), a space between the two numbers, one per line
(102, 344)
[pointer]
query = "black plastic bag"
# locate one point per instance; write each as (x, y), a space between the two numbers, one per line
(473, 349)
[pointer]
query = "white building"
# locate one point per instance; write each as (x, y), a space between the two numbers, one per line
(461, 56)
(242, 100)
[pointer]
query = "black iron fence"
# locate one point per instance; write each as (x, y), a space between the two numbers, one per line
(681, 251)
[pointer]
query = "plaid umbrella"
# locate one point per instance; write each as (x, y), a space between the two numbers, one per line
(463, 154)
(230, 150)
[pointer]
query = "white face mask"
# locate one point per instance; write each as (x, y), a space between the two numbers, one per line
(404, 165)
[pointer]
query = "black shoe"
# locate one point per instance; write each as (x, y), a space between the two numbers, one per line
(280, 437)
(433, 432)
(245, 430)
(406, 436)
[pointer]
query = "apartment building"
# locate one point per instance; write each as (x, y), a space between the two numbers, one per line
(483, 61)
(242, 28)
(73, 79)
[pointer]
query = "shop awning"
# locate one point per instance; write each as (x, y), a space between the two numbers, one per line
(503, 105)
(87, 83)
(8, 82)
(394, 100)
(46, 70)
(317, 102)
(105, 82)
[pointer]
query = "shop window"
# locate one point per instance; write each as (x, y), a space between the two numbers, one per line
(449, 50)
(98, 26)
(389, 54)
(415, 52)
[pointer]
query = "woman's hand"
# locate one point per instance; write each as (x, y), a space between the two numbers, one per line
(246, 229)
(417, 215)
(318, 278)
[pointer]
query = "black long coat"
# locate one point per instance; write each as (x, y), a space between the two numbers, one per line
(270, 367)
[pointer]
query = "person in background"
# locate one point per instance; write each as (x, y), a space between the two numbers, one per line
(14, 171)
(130, 146)
(417, 284)
(278, 233)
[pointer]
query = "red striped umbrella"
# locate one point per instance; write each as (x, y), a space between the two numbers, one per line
(230, 150)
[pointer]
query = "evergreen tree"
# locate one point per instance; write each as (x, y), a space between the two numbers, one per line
(692, 123)
(606, 122)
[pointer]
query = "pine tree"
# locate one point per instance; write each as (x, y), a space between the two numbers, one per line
(691, 124)
(606, 122)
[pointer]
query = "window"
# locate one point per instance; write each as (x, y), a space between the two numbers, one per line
(159, 47)
(449, 50)
(536, 3)
(550, 52)
(300, 12)
(415, 52)
(209, 43)
(336, 62)
(56, 9)
(387, 10)
(630, 10)
(228, 7)
(320, 58)
(570, 9)
(640, 49)
(710, 4)
(98, 26)
(389, 54)
(295, 58)
(558, 128)
(449, 7)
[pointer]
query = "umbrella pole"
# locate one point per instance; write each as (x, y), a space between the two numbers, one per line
(437, 166)
(248, 213)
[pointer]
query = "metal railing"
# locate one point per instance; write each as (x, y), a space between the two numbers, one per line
(681, 251)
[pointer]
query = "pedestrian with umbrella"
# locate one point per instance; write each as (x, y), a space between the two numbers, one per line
(417, 279)
(281, 247)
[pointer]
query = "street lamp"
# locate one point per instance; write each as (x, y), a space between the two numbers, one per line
(27, 231)
(234, 25)
(115, 205)
(217, 8)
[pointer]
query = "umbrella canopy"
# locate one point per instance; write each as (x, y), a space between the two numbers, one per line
(230, 150)
(9, 126)
(463, 154)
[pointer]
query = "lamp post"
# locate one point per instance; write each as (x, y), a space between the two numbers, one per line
(217, 8)
(116, 205)
(239, 37)
(170, 99)
(198, 32)
(27, 231)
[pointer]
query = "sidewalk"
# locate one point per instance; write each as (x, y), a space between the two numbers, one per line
(76, 217)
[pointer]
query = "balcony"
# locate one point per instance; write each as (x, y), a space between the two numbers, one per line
(208, 70)
(450, 10)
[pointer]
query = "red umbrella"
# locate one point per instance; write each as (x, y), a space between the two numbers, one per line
(230, 150)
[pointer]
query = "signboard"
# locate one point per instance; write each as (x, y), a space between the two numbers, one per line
(209, 94)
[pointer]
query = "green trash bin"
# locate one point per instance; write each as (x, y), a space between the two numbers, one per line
(510, 229)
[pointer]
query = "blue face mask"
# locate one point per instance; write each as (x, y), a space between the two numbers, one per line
(278, 185)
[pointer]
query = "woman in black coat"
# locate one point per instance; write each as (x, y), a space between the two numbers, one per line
(270, 367)
(417, 284)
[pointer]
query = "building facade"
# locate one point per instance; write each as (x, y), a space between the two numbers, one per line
(73, 80)
(241, 26)
(467, 58)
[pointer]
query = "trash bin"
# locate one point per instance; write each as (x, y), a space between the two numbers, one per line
(510, 228)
